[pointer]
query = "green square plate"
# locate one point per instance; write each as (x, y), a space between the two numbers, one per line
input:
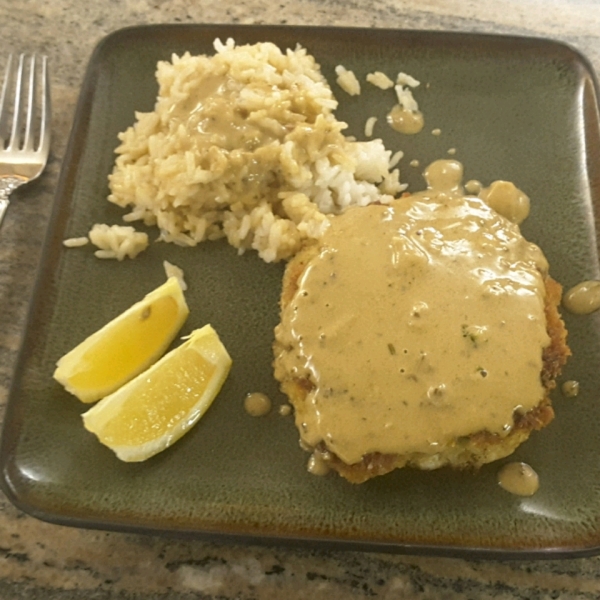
(519, 109)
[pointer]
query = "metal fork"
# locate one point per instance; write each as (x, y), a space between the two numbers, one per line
(22, 124)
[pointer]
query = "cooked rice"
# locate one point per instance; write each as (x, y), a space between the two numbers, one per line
(380, 80)
(175, 271)
(403, 86)
(347, 80)
(270, 190)
(406, 99)
(407, 80)
(369, 125)
(116, 241)
(396, 158)
(76, 242)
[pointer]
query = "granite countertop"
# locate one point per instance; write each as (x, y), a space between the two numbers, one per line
(39, 560)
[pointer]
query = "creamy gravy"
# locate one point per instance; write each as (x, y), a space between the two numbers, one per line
(211, 118)
(405, 324)
(405, 121)
(473, 187)
(285, 410)
(507, 199)
(584, 298)
(570, 388)
(317, 464)
(519, 478)
(257, 404)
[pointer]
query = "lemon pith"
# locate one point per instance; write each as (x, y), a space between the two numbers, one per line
(125, 346)
(155, 409)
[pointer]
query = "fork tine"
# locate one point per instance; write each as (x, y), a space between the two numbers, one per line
(44, 145)
(4, 117)
(30, 110)
(13, 144)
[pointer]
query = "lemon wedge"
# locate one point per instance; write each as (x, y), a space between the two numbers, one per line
(126, 346)
(155, 409)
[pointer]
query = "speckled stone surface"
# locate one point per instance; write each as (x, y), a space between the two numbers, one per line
(38, 560)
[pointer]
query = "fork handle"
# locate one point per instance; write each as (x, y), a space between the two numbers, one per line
(7, 185)
(3, 207)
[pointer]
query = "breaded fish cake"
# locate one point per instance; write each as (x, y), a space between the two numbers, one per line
(424, 334)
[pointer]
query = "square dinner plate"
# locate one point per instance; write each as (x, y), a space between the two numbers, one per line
(518, 109)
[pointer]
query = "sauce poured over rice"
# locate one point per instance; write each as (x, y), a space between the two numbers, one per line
(244, 144)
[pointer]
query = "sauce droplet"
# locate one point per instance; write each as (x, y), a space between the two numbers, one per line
(583, 299)
(519, 478)
(317, 464)
(405, 121)
(570, 388)
(285, 410)
(444, 176)
(257, 404)
(473, 187)
(506, 199)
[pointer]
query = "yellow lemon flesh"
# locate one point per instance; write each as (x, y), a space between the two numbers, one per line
(155, 409)
(126, 346)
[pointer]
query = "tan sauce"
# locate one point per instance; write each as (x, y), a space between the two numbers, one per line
(212, 118)
(473, 187)
(257, 404)
(507, 199)
(285, 410)
(518, 478)
(570, 388)
(405, 324)
(583, 299)
(405, 121)
(317, 464)
(221, 132)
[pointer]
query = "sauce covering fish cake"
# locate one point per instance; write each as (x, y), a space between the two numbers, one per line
(422, 332)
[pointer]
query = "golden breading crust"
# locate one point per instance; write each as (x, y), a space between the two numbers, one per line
(473, 451)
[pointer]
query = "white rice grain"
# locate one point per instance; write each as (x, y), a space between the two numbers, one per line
(404, 85)
(380, 80)
(347, 80)
(75, 242)
(117, 242)
(172, 270)
(404, 79)
(406, 99)
(369, 125)
(396, 158)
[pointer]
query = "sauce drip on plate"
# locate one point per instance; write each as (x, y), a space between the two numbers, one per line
(518, 478)
(583, 299)
(257, 404)
(405, 121)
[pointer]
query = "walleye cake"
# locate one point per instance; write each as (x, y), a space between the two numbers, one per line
(424, 332)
